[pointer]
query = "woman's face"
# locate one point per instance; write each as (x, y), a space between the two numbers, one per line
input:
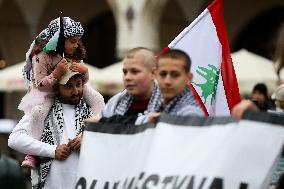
(137, 78)
(71, 44)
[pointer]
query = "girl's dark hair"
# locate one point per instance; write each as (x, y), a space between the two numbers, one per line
(79, 53)
(178, 54)
(280, 184)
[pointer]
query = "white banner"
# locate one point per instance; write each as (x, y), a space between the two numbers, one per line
(180, 153)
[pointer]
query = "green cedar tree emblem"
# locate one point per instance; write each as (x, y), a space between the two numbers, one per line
(211, 75)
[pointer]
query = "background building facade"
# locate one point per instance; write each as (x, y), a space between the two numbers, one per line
(114, 26)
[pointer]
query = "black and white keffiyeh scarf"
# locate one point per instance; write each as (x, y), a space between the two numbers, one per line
(153, 105)
(185, 98)
(53, 129)
(71, 28)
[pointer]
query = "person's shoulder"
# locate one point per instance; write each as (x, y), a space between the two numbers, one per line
(11, 171)
(4, 158)
(41, 55)
(111, 104)
(190, 110)
(116, 97)
(11, 164)
(274, 112)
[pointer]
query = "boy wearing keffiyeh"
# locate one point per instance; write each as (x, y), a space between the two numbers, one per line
(173, 76)
(141, 94)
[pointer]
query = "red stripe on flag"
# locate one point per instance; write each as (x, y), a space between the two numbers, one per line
(199, 100)
(227, 69)
(162, 51)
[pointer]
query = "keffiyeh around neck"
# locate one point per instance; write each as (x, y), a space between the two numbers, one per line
(52, 134)
(183, 99)
(71, 28)
(153, 105)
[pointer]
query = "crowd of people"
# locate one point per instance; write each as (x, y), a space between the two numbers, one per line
(59, 100)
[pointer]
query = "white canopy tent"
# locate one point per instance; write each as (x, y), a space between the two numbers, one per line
(111, 81)
(252, 69)
(12, 79)
(249, 67)
(94, 74)
(7, 125)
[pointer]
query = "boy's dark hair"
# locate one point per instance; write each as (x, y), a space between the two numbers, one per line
(261, 87)
(178, 54)
(79, 53)
(280, 184)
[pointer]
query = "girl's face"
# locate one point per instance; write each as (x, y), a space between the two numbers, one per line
(71, 44)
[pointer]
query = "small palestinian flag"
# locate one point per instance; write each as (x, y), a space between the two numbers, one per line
(56, 42)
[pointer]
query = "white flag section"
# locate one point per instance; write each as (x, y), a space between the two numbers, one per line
(52, 43)
(180, 153)
(205, 41)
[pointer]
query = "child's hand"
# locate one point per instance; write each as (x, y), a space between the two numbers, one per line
(79, 67)
(60, 68)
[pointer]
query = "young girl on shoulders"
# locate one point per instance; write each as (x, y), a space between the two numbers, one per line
(47, 60)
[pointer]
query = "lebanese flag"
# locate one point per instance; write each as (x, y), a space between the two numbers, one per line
(214, 80)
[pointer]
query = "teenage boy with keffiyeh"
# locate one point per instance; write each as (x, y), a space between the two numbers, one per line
(58, 148)
(141, 94)
(173, 76)
(57, 49)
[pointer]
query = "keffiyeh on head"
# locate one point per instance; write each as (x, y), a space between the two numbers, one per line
(71, 28)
